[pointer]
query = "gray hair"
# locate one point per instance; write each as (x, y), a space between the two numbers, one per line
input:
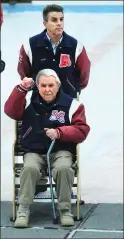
(47, 72)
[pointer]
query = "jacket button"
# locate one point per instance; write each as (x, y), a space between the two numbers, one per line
(53, 59)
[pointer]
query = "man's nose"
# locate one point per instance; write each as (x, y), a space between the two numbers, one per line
(47, 88)
(59, 22)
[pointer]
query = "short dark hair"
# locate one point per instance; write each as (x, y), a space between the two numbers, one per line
(51, 8)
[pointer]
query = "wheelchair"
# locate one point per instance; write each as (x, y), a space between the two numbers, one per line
(44, 185)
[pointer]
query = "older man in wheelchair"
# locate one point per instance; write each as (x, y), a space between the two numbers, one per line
(49, 115)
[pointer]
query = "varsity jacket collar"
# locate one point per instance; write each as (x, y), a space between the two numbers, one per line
(42, 40)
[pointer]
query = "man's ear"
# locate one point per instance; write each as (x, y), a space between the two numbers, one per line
(44, 23)
(58, 84)
(37, 86)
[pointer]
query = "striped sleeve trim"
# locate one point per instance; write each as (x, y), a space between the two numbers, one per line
(28, 50)
(74, 106)
(79, 49)
(28, 98)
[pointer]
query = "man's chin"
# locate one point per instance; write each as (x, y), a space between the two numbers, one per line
(59, 32)
(48, 99)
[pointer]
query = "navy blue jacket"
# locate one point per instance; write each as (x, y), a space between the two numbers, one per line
(65, 114)
(70, 62)
(39, 115)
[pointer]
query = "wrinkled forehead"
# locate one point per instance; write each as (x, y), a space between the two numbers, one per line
(47, 80)
(57, 15)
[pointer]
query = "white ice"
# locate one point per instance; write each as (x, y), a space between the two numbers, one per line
(101, 160)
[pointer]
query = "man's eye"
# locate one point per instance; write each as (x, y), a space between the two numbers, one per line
(54, 20)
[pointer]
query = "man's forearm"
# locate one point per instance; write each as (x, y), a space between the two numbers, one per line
(15, 104)
(24, 65)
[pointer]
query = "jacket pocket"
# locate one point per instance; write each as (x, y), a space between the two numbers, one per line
(27, 132)
(69, 83)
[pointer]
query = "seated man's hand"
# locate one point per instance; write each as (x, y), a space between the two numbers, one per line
(51, 133)
(26, 83)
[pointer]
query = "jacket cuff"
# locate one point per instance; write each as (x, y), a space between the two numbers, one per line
(22, 88)
(59, 133)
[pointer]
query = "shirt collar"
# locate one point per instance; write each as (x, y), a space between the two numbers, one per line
(51, 40)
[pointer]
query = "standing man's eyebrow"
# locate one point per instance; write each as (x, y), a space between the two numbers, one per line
(54, 18)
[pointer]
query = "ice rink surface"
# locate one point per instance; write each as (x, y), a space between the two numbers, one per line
(101, 155)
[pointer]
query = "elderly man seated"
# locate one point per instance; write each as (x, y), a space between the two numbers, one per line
(50, 115)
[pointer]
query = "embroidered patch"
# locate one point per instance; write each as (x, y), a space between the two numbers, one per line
(58, 115)
(64, 60)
